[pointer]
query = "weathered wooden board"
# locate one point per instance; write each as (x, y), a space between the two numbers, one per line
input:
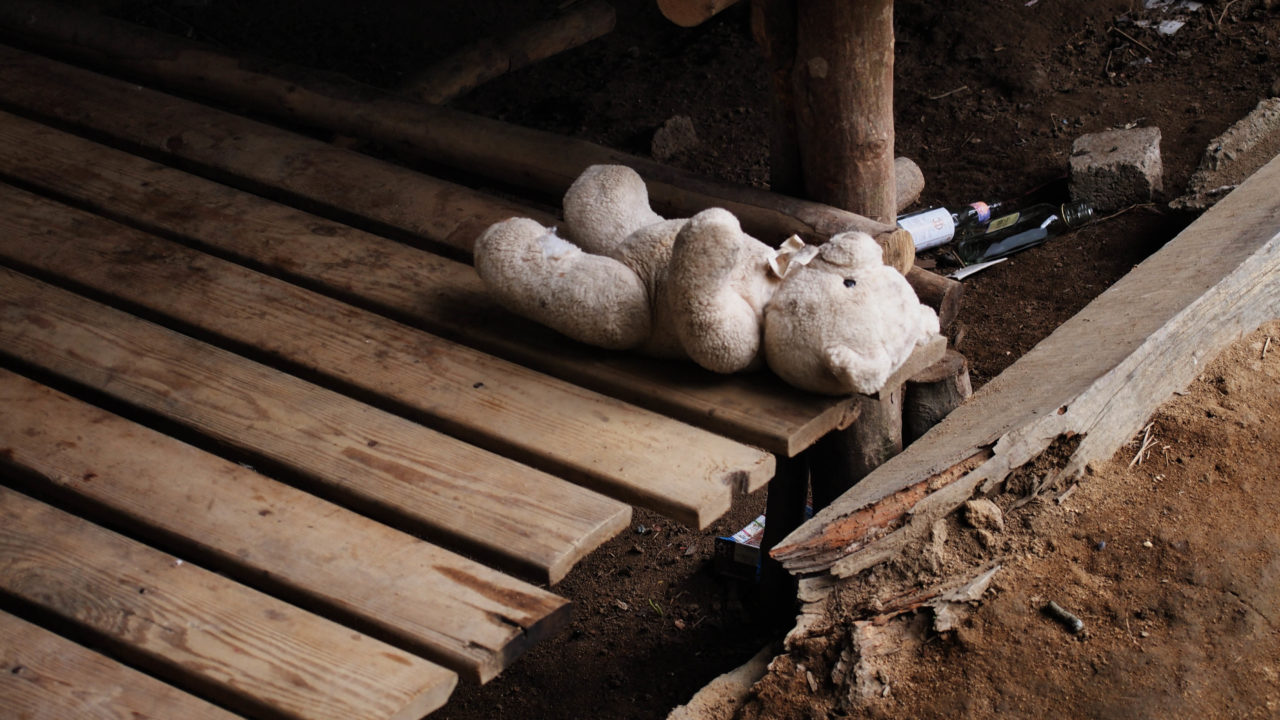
(44, 676)
(591, 439)
(446, 608)
(416, 287)
(1095, 380)
(539, 160)
(436, 486)
(198, 629)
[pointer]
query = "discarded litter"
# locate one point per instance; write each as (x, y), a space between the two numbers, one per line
(1073, 624)
(738, 555)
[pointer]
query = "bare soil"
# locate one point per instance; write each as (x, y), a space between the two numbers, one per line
(988, 96)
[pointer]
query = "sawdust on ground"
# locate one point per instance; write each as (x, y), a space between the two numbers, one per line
(1172, 563)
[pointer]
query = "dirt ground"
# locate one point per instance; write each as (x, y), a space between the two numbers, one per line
(1171, 561)
(988, 97)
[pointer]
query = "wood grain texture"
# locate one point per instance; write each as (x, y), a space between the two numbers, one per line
(538, 160)
(441, 606)
(196, 628)
(1100, 376)
(427, 290)
(597, 441)
(843, 77)
(44, 676)
(442, 488)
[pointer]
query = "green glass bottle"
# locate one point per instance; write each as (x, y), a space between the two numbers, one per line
(1020, 229)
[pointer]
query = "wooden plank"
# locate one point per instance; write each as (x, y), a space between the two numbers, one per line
(588, 438)
(436, 486)
(542, 161)
(1092, 383)
(599, 442)
(439, 605)
(198, 629)
(44, 676)
(416, 287)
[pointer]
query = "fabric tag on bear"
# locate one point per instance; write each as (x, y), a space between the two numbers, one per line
(791, 254)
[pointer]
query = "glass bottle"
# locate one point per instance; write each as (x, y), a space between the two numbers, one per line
(1021, 229)
(939, 226)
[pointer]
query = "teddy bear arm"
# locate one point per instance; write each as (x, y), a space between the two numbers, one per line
(536, 274)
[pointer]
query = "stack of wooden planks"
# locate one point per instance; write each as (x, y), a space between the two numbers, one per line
(268, 448)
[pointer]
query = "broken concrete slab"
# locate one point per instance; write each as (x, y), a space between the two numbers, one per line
(1114, 169)
(1233, 156)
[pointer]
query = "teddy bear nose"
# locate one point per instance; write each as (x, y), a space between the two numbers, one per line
(850, 282)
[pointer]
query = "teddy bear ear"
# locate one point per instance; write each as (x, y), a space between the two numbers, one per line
(852, 249)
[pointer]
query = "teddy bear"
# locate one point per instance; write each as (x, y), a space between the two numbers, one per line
(831, 319)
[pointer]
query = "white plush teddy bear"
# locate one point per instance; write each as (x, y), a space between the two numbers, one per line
(832, 319)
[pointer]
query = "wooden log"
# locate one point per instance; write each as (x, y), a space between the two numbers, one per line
(942, 294)
(441, 606)
(415, 287)
(384, 465)
(1095, 380)
(533, 159)
(933, 394)
(576, 434)
(844, 104)
(908, 183)
(197, 629)
(841, 459)
(691, 13)
(44, 676)
(489, 58)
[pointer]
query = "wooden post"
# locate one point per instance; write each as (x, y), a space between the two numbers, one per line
(784, 512)
(844, 103)
(933, 394)
(773, 23)
(840, 459)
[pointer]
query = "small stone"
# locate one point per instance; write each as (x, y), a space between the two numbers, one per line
(984, 515)
(675, 137)
(1114, 169)
(1147, 544)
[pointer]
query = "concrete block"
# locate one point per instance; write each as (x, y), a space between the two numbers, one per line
(1233, 156)
(1116, 168)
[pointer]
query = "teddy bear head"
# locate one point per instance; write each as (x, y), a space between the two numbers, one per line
(845, 321)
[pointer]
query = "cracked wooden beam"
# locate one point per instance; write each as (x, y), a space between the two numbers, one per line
(1095, 381)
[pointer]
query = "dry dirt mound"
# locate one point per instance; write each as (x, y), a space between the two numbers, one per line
(1171, 561)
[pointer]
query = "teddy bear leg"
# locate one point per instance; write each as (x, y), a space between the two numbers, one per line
(535, 273)
(716, 326)
(605, 205)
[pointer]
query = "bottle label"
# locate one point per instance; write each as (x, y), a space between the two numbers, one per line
(983, 210)
(929, 229)
(1003, 222)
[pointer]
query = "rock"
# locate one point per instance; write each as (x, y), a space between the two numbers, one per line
(1116, 168)
(984, 515)
(675, 137)
(1233, 156)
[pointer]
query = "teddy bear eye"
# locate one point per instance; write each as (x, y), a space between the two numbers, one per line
(850, 282)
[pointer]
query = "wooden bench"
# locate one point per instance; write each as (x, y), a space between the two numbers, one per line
(239, 362)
